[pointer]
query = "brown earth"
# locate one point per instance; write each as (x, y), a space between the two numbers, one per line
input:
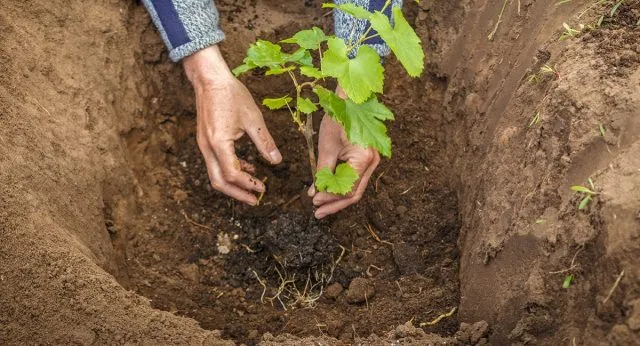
(112, 235)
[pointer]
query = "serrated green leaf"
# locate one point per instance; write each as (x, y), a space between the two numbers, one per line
(363, 123)
(352, 9)
(359, 77)
(567, 281)
(279, 70)
(278, 103)
(402, 39)
(311, 72)
(585, 201)
(301, 57)
(308, 39)
(340, 183)
(242, 69)
(306, 106)
(579, 188)
(265, 54)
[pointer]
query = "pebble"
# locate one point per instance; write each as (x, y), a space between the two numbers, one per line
(190, 271)
(333, 290)
(360, 290)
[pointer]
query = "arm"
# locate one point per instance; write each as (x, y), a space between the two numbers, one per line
(333, 145)
(226, 111)
(186, 26)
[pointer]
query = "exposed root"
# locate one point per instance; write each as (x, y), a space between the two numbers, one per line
(290, 295)
(439, 318)
(193, 222)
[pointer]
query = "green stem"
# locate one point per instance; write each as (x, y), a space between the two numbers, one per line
(366, 36)
(307, 128)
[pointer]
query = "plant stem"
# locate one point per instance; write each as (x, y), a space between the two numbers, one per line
(308, 135)
(307, 129)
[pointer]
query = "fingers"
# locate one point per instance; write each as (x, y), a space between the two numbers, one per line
(226, 174)
(330, 204)
(264, 142)
(327, 158)
(231, 168)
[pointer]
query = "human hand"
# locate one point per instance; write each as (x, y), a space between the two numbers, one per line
(333, 145)
(225, 112)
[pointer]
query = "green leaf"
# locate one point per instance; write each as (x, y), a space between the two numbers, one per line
(585, 201)
(308, 39)
(265, 54)
(306, 106)
(340, 183)
(311, 72)
(242, 69)
(277, 103)
(360, 76)
(567, 281)
(579, 188)
(402, 39)
(363, 123)
(350, 8)
(301, 57)
(279, 70)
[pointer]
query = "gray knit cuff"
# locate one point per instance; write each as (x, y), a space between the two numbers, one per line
(178, 53)
(349, 28)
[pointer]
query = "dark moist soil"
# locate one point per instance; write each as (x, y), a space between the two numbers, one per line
(400, 239)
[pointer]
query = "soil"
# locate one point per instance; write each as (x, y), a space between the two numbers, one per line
(112, 234)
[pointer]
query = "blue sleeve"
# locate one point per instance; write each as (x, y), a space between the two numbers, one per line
(186, 26)
(347, 27)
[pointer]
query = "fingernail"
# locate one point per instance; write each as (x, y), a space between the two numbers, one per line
(312, 191)
(319, 216)
(275, 156)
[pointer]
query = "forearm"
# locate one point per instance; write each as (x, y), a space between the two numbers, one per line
(186, 26)
(350, 29)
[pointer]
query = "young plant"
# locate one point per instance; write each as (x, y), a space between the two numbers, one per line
(358, 70)
(570, 32)
(535, 120)
(566, 283)
(588, 194)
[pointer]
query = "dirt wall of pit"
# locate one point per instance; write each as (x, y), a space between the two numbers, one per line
(70, 87)
(77, 81)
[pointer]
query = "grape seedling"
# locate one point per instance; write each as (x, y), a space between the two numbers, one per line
(358, 70)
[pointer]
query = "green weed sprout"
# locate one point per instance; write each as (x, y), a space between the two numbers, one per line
(588, 194)
(567, 281)
(358, 70)
(570, 32)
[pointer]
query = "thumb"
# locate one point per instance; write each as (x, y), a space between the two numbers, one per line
(327, 158)
(261, 137)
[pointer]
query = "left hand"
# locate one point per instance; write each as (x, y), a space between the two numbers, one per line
(333, 145)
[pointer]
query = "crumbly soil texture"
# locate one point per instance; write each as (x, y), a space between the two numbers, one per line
(470, 234)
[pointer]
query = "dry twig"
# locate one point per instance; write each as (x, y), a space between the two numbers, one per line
(615, 285)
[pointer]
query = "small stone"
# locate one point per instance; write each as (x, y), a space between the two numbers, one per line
(401, 210)
(634, 320)
(180, 195)
(190, 271)
(333, 290)
(408, 259)
(253, 334)
(360, 290)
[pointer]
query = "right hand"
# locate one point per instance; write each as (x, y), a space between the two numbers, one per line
(226, 111)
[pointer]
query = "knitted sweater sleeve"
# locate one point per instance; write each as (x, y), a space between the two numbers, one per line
(186, 26)
(349, 28)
